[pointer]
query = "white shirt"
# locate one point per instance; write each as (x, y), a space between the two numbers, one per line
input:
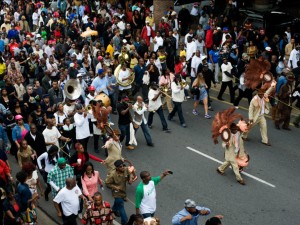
(288, 34)
(177, 39)
(177, 93)
(294, 57)
(196, 61)
(51, 135)
(154, 105)
(49, 51)
(194, 11)
(148, 204)
(68, 109)
(48, 166)
(227, 68)
(159, 42)
(82, 126)
(85, 19)
(200, 46)
(190, 49)
(124, 74)
(186, 37)
(69, 200)
(139, 114)
(121, 26)
(35, 18)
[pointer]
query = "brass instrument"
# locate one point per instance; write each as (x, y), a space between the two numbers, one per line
(72, 89)
(89, 109)
(126, 82)
(104, 98)
(165, 89)
(183, 83)
(124, 57)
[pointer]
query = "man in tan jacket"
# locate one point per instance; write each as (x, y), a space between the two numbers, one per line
(257, 109)
(288, 48)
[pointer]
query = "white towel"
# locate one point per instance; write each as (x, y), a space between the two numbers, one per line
(132, 136)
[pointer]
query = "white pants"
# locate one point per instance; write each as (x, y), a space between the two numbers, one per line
(215, 69)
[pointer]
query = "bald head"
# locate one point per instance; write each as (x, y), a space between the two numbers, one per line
(70, 183)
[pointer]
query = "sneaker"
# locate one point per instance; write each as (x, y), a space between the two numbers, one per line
(195, 112)
(183, 125)
(150, 127)
(188, 97)
(80, 215)
(150, 144)
(236, 107)
(207, 116)
(130, 147)
(167, 130)
(111, 123)
(210, 108)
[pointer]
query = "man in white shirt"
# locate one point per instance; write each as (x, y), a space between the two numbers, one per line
(155, 106)
(196, 61)
(294, 57)
(68, 197)
(124, 75)
(190, 52)
(82, 126)
(158, 41)
(200, 43)
(189, 34)
(49, 49)
(52, 67)
(226, 80)
(35, 19)
(51, 134)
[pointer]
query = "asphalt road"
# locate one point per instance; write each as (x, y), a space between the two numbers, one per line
(270, 197)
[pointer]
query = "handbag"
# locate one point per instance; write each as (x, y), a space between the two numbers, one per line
(30, 215)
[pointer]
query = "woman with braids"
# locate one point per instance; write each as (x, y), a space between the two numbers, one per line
(50, 159)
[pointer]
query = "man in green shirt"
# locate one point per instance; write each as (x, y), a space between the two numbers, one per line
(145, 195)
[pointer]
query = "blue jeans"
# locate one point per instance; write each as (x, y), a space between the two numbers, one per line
(146, 133)
(146, 215)
(177, 108)
(113, 99)
(119, 206)
(125, 132)
(160, 112)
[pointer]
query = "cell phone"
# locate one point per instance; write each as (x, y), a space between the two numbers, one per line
(170, 172)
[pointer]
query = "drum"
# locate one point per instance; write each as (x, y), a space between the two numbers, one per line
(104, 98)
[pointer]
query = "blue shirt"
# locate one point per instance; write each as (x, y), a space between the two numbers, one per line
(139, 73)
(214, 55)
(100, 84)
(2, 44)
(24, 194)
(194, 221)
(113, 82)
(281, 81)
(3, 138)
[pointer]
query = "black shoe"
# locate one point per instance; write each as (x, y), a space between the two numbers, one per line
(221, 99)
(117, 214)
(183, 125)
(296, 124)
(169, 118)
(210, 108)
(150, 127)
(287, 128)
(151, 144)
(167, 130)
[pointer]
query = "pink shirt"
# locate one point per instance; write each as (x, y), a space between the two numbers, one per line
(89, 185)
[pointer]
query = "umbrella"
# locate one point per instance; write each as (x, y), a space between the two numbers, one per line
(89, 32)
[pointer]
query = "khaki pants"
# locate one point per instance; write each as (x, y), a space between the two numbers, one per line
(261, 121)
(167, 100)
(234, 166)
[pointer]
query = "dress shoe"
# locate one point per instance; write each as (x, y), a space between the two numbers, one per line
(167, 130)
(46, 197)
(267, 144)
(130, 147)
(219, 172)
(151, 144)
(221, 99)
(242, 182)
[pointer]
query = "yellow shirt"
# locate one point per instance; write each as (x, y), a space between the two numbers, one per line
(150, 20)
(182, 53)
(2, 68)
(111, 50)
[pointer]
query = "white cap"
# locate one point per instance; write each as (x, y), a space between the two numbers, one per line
(219, 28)
(203, 57)
(72, 64)
(234, 46)
(268, 49)
(79, 74)
(38, 35)
(124, 41)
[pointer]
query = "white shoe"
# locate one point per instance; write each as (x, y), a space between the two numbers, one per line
(80, 215)
(236, 107)
(111, 123)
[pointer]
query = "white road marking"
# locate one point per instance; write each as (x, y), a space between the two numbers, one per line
(220, 162)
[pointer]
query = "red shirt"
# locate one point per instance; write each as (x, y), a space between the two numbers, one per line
(4, 170)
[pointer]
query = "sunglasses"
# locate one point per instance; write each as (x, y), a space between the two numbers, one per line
(123, 165)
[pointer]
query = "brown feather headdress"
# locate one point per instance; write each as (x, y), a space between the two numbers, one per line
(255, 72)
(224, 120)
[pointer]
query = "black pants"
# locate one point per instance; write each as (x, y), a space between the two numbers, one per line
(84, 142)
(177, 109)
(69, 220)
(223, 88)
(243, 94)
(145, 89)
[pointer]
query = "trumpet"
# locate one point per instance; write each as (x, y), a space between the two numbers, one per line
(164, 88)
(89, 109)
(183, 83)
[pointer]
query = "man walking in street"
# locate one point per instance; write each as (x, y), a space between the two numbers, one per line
(190, 214)
(145, 195)
(117, 183)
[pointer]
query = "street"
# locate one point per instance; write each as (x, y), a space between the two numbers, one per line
(270, 196)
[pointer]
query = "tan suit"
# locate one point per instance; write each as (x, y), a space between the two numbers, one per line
(114, 150)
(255, 114)
(231, 153)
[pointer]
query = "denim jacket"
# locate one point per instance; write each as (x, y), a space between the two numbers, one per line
(17, 133)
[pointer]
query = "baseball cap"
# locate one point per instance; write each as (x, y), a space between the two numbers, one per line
(190, 203)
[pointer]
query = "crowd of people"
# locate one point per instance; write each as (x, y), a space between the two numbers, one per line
(115, 49)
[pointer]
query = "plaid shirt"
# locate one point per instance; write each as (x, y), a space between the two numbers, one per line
(59, 176)
(96, 216)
